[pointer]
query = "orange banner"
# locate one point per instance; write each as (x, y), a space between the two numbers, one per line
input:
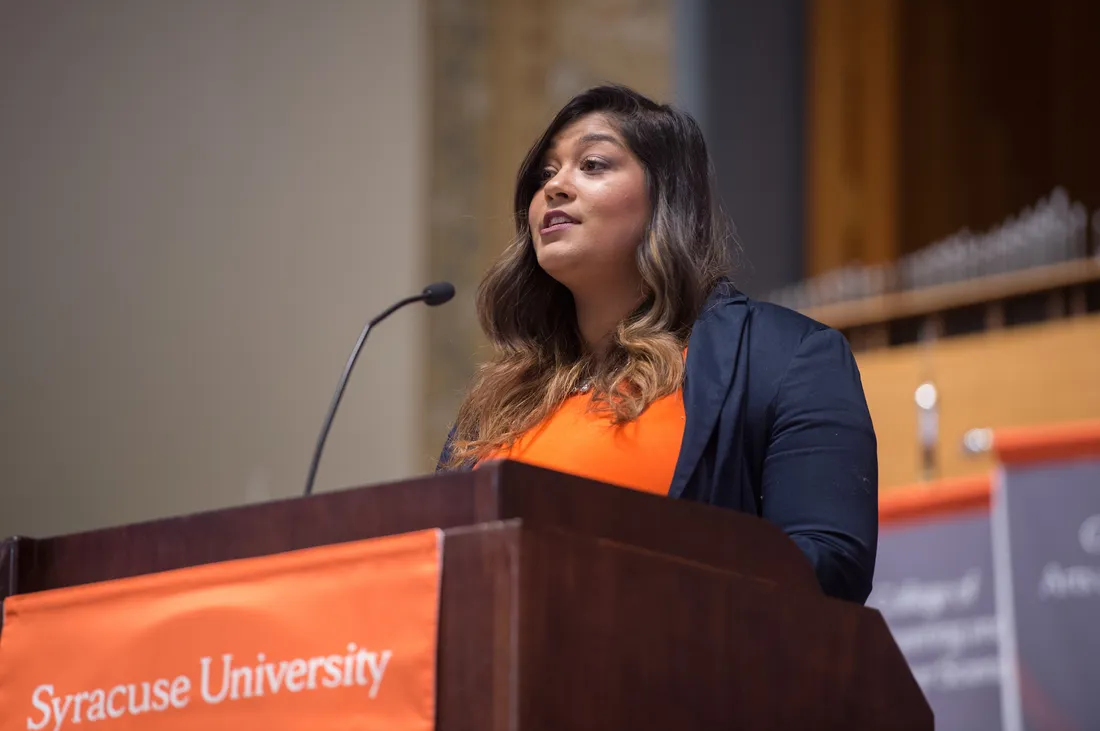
(335, 637)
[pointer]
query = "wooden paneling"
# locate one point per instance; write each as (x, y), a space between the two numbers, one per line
(1017, 377)
(925, 117)
(999, 107)
(852, 137)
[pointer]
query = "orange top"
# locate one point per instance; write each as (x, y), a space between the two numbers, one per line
(640, 455)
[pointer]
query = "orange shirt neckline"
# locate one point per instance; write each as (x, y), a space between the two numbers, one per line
(641, 455)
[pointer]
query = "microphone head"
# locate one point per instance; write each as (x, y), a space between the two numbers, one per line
(438, 293)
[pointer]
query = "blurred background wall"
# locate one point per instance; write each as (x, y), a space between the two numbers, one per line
(201, 203)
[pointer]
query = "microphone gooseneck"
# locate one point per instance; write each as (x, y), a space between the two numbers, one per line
(433, 295)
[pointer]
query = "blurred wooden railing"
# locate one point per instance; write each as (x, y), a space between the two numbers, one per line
(1063, 286)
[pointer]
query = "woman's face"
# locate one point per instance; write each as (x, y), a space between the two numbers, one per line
(591, 212)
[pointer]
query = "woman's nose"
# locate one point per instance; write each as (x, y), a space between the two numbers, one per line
(558, 187)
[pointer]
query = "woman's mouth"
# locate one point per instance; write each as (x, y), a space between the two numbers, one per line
(556, 221)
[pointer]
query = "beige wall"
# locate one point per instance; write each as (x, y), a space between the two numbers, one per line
(200, 204)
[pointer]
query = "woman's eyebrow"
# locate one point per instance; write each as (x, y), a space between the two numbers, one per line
(588, 139)
(598, 137)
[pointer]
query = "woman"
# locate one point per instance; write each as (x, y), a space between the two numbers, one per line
(623, 354)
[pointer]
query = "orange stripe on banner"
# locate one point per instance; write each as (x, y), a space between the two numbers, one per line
(336, 637)
(934, 499)
(1049, 442)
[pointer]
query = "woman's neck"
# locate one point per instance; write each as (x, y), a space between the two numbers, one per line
(599, 314)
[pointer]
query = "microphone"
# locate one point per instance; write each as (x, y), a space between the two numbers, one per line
(433, 295)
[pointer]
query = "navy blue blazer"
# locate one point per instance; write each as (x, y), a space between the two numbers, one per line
(778, 426)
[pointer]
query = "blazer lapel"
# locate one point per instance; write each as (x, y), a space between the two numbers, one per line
(714, 353)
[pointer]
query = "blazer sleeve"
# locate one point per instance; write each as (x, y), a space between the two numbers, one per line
(820, 472)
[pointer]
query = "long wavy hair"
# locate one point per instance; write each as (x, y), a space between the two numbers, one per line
(539, 357)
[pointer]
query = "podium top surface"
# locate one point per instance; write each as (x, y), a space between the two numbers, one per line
(505, 490)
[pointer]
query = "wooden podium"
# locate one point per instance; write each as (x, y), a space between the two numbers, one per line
(566, 604)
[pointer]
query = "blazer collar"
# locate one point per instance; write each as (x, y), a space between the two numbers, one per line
(716, 347)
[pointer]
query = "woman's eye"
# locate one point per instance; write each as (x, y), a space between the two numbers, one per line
(546, 174)
(592, 165)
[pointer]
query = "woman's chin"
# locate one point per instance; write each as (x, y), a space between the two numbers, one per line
(558, 261)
